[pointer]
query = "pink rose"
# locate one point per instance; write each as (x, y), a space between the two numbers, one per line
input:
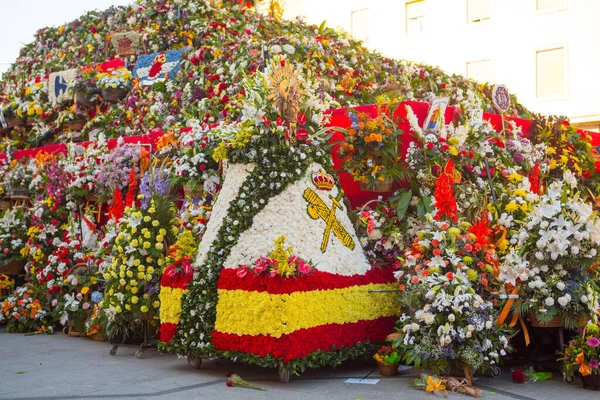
(86, 306)
(261, 266)
(79, 296)
(242, 271)
(304, 268)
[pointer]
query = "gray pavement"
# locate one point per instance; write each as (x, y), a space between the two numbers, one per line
(59, 367)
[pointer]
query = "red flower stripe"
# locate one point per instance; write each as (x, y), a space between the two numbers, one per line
(313, 281)
(167, 332)
(302, 342)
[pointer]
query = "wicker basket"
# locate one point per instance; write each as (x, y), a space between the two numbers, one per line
(114, 95)
(20, 200)
(591, 382)
(76, 125)
(197, 193)
(87, 101)
(379, 188)
(13, 268)
(555, 322)
(14, 121)
(388, 369)
(4, 205)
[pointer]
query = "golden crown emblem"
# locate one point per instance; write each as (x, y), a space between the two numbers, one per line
(322, 180)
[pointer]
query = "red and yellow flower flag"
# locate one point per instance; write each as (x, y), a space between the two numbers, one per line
(291, 318)
(174, 284)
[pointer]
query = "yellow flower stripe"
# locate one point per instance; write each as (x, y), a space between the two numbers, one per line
(252, 313)
(170, 304)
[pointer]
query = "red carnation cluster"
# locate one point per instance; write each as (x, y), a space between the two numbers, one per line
(303, 342)
(178, 275)
(445, 201)
(316, 280)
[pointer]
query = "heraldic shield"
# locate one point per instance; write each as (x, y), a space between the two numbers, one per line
(329, 298)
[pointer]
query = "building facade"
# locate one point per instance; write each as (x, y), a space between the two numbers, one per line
(544, 51)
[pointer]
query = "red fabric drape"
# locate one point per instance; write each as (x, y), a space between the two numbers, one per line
(339, 118)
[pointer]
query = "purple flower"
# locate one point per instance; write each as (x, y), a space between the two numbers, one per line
(593, 342)
(517, 157)
(145, 191)
(594, 364)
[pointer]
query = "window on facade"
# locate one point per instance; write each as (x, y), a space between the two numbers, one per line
(478, 10)
(481, 71)
(360, 24)
(416, 13)
(550, 4)
(550, 72)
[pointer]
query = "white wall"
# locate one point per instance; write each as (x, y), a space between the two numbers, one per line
(509, 39)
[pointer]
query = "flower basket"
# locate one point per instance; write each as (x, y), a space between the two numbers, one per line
(13, 268)
(76, 125)
(71, 332)
(591, 382)
(388, 369)
(379, 188)
(14, 121)
(114, 95)
(86, 100)
(20, 200)
(192, 193)
(4, 205)
(555, 322)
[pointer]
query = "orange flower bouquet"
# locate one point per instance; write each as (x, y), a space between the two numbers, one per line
(583, 355)
(371, 149)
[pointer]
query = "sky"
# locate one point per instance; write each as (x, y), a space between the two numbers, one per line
(22, 18)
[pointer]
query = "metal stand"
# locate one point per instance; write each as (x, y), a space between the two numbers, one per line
(142, 347)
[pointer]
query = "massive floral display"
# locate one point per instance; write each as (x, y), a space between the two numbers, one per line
(186, 187)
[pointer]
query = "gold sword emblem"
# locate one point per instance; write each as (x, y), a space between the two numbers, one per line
(318, 209)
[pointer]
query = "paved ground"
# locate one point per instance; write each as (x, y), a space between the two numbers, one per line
(59, 367)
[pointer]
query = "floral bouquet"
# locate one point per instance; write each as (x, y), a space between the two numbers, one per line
(371, 149)
(85, 87)
(562, 228)
(138, 255)
(282, 106)
(553, 292)
(24, 310)
(116, 169)
(583, 351)
(453, 324)
(567, 149)
(6, 283)
(445, 281)
(387, 355)
(13, 235)
(18, 177)
(119, 78)
(83, 166)
(114, 84)
(280, 261)
(194, 164)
